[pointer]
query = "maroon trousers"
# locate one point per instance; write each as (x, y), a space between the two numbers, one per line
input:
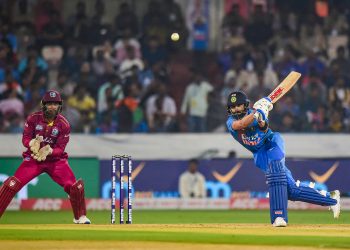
(59, 171)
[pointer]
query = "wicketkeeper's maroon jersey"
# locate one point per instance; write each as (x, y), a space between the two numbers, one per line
(55, 134)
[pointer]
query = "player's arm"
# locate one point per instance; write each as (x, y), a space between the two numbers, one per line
(263, 125)
(244, 122)
(61, 142)
(28, 131)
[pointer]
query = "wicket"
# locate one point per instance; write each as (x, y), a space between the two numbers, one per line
(121, 159)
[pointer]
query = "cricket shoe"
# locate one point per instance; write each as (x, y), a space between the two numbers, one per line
(336, 208)
(279, 222)
(82, 220)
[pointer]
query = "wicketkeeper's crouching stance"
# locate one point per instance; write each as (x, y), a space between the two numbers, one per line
(46, 134)
(250, 128)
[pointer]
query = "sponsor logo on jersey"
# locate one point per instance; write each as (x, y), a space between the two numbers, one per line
(279, 212)
(48, 140)
(54, 132)
(252, 140)
(38, 127)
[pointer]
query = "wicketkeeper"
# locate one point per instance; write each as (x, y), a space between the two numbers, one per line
(46, 134)
(250, 128)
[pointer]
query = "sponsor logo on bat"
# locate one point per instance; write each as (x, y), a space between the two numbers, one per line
(276, 93)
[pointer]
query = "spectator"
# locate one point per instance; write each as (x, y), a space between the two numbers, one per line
(129, 62)
(32, 54)
(101, 65)
(195, 102)
(153, 51)
(127, 40)
(339, 94)
(86, 105)
(53, 31)
(87, 77)
(161, 111)
(130, 115)
(258, 31)
(11, 104)
(65, 86)
(115, 93)
(77, 24)
(261, 89)
(192, 182)
(233, 18)
(341, 61)
(126, 20)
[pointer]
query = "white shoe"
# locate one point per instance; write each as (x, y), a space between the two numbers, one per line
(279, 222)
(82, 220)
(336, 208)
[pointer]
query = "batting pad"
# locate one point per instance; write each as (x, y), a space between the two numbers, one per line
(310, 195)
(77, 199)
(8, 190)
(277, 181)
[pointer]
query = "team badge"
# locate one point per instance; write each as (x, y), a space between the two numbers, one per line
(54, 132)
(233, 99)
(39, 127)
(52, 94)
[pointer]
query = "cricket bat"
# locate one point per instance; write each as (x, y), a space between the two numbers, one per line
(284, 86)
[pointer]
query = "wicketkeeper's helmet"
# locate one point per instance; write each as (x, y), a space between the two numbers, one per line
(51, 96)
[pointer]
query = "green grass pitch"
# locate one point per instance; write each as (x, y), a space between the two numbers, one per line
(192, 228)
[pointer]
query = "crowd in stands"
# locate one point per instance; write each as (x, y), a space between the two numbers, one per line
(116, 77)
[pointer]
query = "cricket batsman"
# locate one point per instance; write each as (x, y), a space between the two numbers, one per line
(251, 129)
(45, 135)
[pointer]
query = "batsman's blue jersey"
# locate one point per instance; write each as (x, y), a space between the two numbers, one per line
(265, 145)
(252, 137)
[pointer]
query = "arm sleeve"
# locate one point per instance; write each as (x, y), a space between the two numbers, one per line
(62, 142)
(28, 131)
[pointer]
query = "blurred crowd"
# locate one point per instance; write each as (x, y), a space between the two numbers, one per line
(117, 77)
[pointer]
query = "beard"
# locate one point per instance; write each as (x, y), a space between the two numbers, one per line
(50, 114)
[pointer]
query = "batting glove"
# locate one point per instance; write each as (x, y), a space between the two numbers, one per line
(34, 144)
(43, 153)
(264, 102)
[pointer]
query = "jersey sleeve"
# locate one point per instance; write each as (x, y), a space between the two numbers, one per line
(61, 142)
(28, 131)
(229, 123)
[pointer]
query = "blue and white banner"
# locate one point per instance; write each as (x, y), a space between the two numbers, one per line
(226, 178)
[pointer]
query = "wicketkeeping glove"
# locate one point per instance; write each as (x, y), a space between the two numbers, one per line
(43, 153)
(34, 144)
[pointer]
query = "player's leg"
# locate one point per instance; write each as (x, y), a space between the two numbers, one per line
(8, 190)
(277, 181)
(27, 171)
(301, 192)
(62, 174)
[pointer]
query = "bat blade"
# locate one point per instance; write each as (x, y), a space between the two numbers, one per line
(284, 86)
